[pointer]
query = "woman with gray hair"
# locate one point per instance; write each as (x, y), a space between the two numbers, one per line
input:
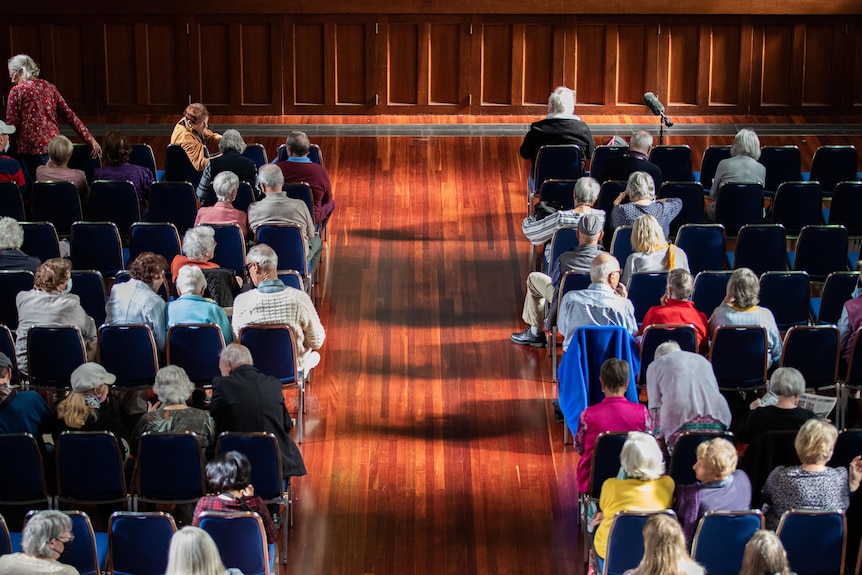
(231, 159)
(225, 186)
(11, 240)
(779, 408)
(640, 193)
(198, 249)
(193, 307)
(741, 167)
(540, 231)
(740, 308)
(171, 414)
(43, 541)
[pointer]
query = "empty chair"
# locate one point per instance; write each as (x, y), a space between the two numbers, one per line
(737, 205)
(571, 280)
(291, 278)
(711, 158)
(96, 246)
(846, 209)
(230, 247)
(129, 353)
(558, 162)
(560, 192)
(703, 244)
(90, 469)
(766, 452)
(11, 203)
(53, 353)
(813, 350)
(833, 164)
(720, 539)
(796, 205)
(645, 290)
(600, 158)
(240, 539)
(244, 197)
(300, 191)
(161, 238)
(126, 531)
(837, 290)
(288, 243)
(195, 348)
(170, 469)
(691, 194)
(257, 153)
(55, 202)
(179, 168)
(115, 201)
(786, 295)
(710, 287)
(11, 283)
(40, 240)
(674, 161)
(820, 251)
(815, 541)
(142, 155)
(22, 484)
(173, 202)
(89, 286)
(89, 554)
(783, 164)
(739, 357)
(760, 248)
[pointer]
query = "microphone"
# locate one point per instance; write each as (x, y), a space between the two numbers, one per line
(656, 107)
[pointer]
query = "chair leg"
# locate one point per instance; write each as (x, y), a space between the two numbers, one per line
(553, 345)
(301, 408)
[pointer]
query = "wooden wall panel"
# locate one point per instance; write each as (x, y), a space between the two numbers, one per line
(402, 55)
(446, 66)
(636, 63)
(496, 64)
(351, 64)
(121, 85)
(818, 70)
(257, 64)
(213, 55)
(308, 56)
(538, 63)
(853, 70)
(724, 67)
(682, 64)
(166, 65)
(591, 69)
(776, 66)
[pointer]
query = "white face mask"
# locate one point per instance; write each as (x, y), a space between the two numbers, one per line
(68, 287)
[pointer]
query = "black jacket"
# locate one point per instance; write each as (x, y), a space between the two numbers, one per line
(621, 167)
(555, 131)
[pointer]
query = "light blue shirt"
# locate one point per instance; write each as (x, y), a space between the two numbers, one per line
(598, 305)
(134, 302)
(197, 309)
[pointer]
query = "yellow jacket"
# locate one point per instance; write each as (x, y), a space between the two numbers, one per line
(630, 495)
(194, 144)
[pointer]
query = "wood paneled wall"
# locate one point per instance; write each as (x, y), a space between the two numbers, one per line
(449, 64)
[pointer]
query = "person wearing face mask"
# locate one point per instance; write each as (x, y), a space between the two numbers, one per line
(10, 169)
(50, 302)
(84, 408)
(44, 539)
(193, 134)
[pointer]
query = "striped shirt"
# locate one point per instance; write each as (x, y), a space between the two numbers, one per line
(541, 231)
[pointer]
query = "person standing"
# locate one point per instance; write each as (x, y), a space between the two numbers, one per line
(193, 134)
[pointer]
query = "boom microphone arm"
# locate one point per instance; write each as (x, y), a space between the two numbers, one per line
(656, 107)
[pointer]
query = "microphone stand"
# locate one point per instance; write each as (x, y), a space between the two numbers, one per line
(662, 122)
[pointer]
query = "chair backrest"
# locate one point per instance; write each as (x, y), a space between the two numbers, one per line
(230, 247)
(244, 197)
(783, 164)
(821, 250)
(89, 468)
(289, 245)
(711, 158)
(557, 162)
(161, 238)
(737, 205)
(703, 244)
(674, 161)
(55, 202)
(174, 202)
(685, 455)
(600, 158)
(833, 164)
(96, 246)
(796, 205)
(621, 244)
(126, 531)
(564, 239)
(82, 159)
(710, 287)
(195, 347)
(846, 208)
(11, 283)
(656, 334)
(5, 539)
(24, 482)
(854, 364)
(645, 291)
(240, 539)
(605, 463)
(7, 346)
(837, 290)
(89, 286)
(558, 191)
(739, 357)
(53, 353)
(626, 541)
(84, 555)
(291, 278)
(815, 541)
(813, 350)
(11, 203)
(300, 191)
(607, 194)
(179, 168)
(40, 240)
(720, 539)
(786, 295)
(256, 153)
(263, 453)
(115, 201)
(691, 194)
(143, 155)
(766, 452)
(761, 248)
(273, 348)
(129, 353)
(170, 468)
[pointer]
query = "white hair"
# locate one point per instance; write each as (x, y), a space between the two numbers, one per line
(640, 185)
(231, 140)
(25, 65)
(601, 267)
(225, 185)
(264, 256)
(11, 234)
(41, 529)
(172, 385)
(666, 348)
(199, 243)
(641, 457)
(587, 190)
(746, 143)
(236, 354)
(270, 176)
(190, 280)
(561, 101)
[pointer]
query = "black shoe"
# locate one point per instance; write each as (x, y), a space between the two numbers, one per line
(526, 337)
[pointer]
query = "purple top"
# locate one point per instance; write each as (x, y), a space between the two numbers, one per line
(140, 176)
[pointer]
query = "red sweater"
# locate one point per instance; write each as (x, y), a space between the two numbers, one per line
(678, 311)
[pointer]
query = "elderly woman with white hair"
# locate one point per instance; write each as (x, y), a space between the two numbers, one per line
(651, 250)
(741, 167)
(645, 487)
(779, 408)
(60, 150)
(198, 249)
(225, 186)
(11, 240)
(43, 541)
(231, 159)
(171, 414)
(640, 193)
(193, 307)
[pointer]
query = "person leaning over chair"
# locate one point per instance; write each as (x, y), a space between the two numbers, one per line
(231, 159)
(676, 307)
(225, 186)
(43, 541)
(299, 168)
(779, 408)
(11, 240)
(193, 134)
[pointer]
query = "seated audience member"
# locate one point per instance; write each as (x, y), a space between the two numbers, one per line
(11, 240)
(84, 407)
(117, 167)
(299, 168)
(812, 485)
(50, 302)
(781, 409)
(10, 169)
(21, 411)
(720, 485)
(683, 395)
(193, 307)
(43, 541)
(198, 249)
(741, 167)
(137, 301)
(644, 488)
(677, 308)
(765, 555)
(636, 159)
(665, 550)
(652, 252)
(235, 408)
(849, 322)
(275, 208)
(560, 127)
(225, 186)
(171, 414)
(273, 303)
(740, 308)
(640, 191)
(231, 159)
(613, 413)
(193, 134)
(193, 552)
(60, 152)
(542, 289)
(603, 302)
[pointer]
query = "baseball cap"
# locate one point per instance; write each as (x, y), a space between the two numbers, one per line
(590, 224)
(6, 129)
(89, 376)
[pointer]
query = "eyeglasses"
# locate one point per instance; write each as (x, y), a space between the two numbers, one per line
(66, 541)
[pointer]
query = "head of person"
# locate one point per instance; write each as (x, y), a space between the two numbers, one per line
(47, 534)
(270, 179)
(746, 143)
(90, 382)
(590, 229)
(172, 385)
(680, 284)
(716, 460)
(815, 441)
(665, 348)
(231, 140)
(11, 234)
(614, 376)
(641, 457)
(647, 235)
(116, 148)
(586, 191)
(193, 551)
(743, 289)
(22, 67)
(787, 382)
(605, 269)
(764, 555)
(5, 373)
(191, 280)
(641, 142)
(298, 144)
(60, 150)
(5, 132)
(199, 243)
(53, 275)
(262, 263)
(149, 268)
(640, 186)
(197, 117)
(664, 546)
(230, 471)
(225, 185)
(233, 356)
(562, 101)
